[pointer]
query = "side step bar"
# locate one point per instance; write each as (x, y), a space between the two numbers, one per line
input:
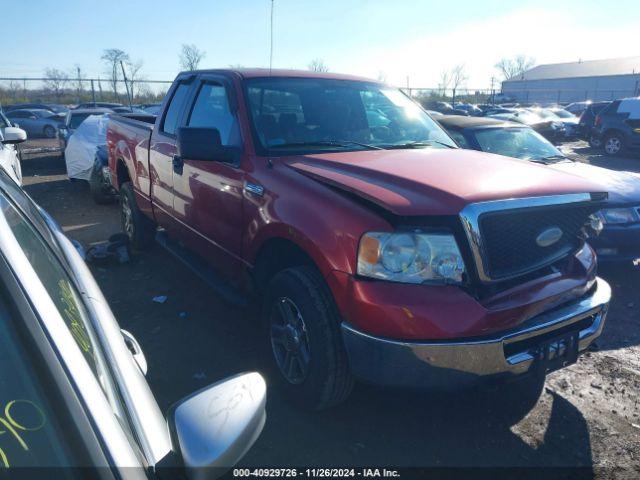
(201, 268)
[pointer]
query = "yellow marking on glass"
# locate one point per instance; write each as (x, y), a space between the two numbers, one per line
(5, 460)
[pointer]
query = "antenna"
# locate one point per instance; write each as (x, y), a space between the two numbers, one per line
(271, 40)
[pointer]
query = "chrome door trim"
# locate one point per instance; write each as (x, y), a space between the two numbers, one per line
(470, 217)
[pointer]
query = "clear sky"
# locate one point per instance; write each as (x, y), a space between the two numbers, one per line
(414, 38)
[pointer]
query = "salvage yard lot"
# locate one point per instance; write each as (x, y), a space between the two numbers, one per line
(588, 415)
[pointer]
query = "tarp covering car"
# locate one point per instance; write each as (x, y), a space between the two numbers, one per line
(81, 148)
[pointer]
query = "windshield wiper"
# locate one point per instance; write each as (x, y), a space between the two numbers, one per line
(327, 143)
(422, 144)
(550, 159)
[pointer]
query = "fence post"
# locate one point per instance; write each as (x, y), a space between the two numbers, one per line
(93, 92)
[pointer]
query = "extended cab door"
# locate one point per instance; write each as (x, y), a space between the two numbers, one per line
(208, 194)
(163, 149)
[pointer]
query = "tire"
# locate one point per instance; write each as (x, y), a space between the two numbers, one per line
(49, 131)
(305, 299)
(595, 142)
(98, 193)
(140, 229)
(613, 143)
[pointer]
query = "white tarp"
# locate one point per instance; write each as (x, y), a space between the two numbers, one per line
(81, 148)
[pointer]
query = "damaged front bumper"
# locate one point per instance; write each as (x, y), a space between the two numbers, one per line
(540, 342)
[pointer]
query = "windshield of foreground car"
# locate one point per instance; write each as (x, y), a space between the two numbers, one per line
(303, 115)
(523, 143)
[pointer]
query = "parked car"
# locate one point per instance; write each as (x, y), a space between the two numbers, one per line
(617, 126)
(73, 120)
(587, 122)
(52, 107)
(73, 387)
(37, 123)
(567, 119)
(10, 138)
(553, 130)
(381, 254)
(152, 108)
(577, 108)
(472, 110)
(620, 237)
(88, 105)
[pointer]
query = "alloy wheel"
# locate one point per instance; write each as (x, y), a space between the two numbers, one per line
(289, 340)
(612, 145)
(127, 217)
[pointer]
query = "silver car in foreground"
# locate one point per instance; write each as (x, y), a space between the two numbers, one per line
(74, 401)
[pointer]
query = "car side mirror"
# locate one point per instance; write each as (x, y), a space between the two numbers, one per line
(212, 429)
(13, 135)
(198, 143)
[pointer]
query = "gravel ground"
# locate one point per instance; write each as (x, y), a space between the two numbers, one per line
(587, 416)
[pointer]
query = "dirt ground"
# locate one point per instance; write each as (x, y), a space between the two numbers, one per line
(587, 416)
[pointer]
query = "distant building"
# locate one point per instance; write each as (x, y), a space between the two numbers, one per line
(577, 81)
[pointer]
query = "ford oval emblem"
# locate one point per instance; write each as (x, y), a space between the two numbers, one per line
(549, 236)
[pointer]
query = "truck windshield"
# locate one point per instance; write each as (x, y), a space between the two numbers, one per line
(305, 115)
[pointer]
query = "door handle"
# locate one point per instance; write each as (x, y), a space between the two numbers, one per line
(178, 164)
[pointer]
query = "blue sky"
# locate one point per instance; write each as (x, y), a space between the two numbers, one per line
(399, 38)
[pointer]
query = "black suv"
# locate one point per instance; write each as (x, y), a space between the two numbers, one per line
(587, 122)
(618, 126)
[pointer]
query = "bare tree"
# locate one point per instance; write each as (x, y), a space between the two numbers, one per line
(445, 82)
(55, 81)
(190, 57)
(112, 58)
(514, 67)
(135, 75)
(14, 89)
(318, 65)
(458, 78)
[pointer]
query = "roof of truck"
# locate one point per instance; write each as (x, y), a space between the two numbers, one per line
(265, 72)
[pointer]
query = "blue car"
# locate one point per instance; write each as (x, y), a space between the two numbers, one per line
(620, 236)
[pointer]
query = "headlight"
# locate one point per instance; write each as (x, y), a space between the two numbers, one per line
(410, 257)
(619, 215)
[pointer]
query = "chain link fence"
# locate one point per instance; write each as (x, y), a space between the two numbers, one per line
(73, 91)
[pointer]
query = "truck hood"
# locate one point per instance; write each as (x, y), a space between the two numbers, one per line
(434, 181)
(623, 187)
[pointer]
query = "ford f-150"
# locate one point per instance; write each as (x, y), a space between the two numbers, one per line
(377, 249)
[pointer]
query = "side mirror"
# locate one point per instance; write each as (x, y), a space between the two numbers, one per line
(196, 143)
(13, 135)
(212, 429)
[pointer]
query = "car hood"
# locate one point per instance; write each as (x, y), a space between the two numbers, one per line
(435, 181)
(623, 187)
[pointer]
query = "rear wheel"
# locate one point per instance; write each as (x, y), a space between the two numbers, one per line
(305, 341)
(99, 194)
(613, 143)
(49, 131)
(139, 229)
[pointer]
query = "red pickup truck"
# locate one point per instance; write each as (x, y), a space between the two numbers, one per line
(379, 250)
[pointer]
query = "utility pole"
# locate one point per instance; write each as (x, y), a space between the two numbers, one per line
(126, 85)
(493, 91)
(93, 92)
(79, 82)
(271, 40)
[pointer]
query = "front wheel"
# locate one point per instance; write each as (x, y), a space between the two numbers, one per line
(613, 144)
(49, 131)
(305, 340)
(139, 229)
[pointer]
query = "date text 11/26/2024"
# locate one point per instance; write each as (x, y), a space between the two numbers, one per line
(316, 472)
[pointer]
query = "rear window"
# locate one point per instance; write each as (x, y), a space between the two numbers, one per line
(76, 119)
